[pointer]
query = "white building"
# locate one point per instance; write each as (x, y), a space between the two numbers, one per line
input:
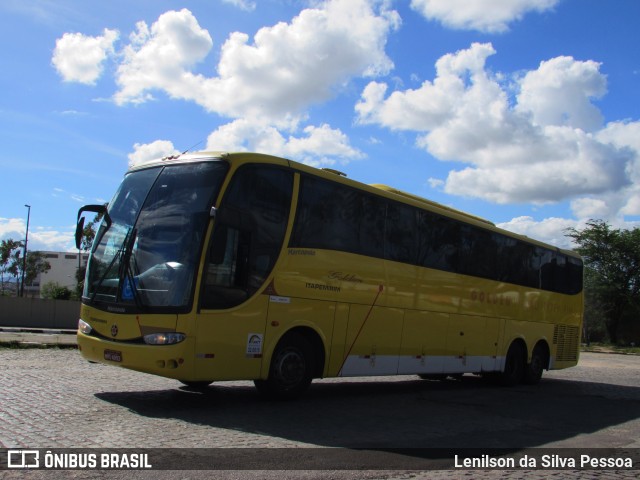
(64, 266)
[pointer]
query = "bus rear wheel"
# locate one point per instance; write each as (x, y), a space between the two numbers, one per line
(291, 369)
(514, 366)
(533, 371)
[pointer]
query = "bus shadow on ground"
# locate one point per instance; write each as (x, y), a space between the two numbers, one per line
(410, 413)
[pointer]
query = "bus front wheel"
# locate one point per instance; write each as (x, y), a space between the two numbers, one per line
(291, 368)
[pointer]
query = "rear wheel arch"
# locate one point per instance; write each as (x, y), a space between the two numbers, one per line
(543, 346)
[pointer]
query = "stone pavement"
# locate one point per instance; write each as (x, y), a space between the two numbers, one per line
(52, 398)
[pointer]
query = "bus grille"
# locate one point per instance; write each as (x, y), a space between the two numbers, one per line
(567, 339)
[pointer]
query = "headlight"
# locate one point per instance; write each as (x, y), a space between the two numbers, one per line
(84, 327)
(169, 338)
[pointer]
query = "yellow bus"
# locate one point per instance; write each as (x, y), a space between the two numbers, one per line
(242, 266)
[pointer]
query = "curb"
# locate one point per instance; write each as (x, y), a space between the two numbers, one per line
(38, 337)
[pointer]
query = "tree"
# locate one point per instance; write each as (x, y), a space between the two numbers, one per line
(35, 264)
(89, 233)
(594, 327)
(9, 249)
(55, 291)
(612, 270)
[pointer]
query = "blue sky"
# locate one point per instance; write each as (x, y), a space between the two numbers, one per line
(525, 112)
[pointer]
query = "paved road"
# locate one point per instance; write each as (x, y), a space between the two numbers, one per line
(52, 398)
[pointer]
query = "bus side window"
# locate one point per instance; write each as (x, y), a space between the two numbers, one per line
(400, 243)
(218, 249)
(248, 235)
(225, 284)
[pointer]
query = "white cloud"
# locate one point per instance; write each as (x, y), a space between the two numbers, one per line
(550, 230)
(534, 151)
(13, 228)
(246, 5)
(59, 192)
(435, 182)
(614, 207)
(52, 239)
(427, 107)
(535, 137)
(80, 58)
(151, 151)
(159, 58)
(618, 206)
(592, 207)
(316, 146)
(266, 83)
(72, 113)
(559, 92)
(632, 204)
(40, 238)
(571, 164)
(626, 136)
(491, 16)
(553, 230)
(286, 68)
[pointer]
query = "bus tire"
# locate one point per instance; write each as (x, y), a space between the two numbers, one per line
(533, 371)
(514, 366)
(291, 369)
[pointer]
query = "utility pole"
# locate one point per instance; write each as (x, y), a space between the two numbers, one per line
(24, 256)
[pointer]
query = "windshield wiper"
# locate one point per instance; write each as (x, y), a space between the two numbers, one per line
(126, 272)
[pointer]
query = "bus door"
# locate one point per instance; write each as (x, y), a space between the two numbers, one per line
(247, 238)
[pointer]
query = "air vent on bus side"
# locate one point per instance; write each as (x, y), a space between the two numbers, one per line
(566, 337)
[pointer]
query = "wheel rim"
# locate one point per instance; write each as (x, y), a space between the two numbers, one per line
(290, 367)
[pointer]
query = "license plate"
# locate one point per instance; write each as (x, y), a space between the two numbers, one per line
(113, 355)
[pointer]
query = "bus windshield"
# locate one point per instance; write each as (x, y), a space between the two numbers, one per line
(148, 256)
